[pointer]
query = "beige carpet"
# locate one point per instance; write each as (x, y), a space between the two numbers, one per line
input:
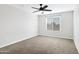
(41, 45)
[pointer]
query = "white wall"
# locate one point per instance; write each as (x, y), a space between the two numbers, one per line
(16, 24)
(76, 26)
(66, 25)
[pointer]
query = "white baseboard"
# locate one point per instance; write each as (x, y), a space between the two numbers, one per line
(77, 45)
(6, 44)
(16, 41)
(57, 36)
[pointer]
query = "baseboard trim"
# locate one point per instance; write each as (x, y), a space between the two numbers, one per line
(17, 41)
(76, 45)
(57, 36)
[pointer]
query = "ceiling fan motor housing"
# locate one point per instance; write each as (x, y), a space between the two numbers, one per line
(42, 8)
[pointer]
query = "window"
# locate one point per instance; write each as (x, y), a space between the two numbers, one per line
(53, 23)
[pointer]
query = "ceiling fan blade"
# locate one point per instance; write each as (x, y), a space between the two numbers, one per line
(35, 8)
(47, 10)
(35, 11)
(45, 6)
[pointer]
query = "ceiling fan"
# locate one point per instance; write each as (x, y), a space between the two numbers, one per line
(42, 8)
